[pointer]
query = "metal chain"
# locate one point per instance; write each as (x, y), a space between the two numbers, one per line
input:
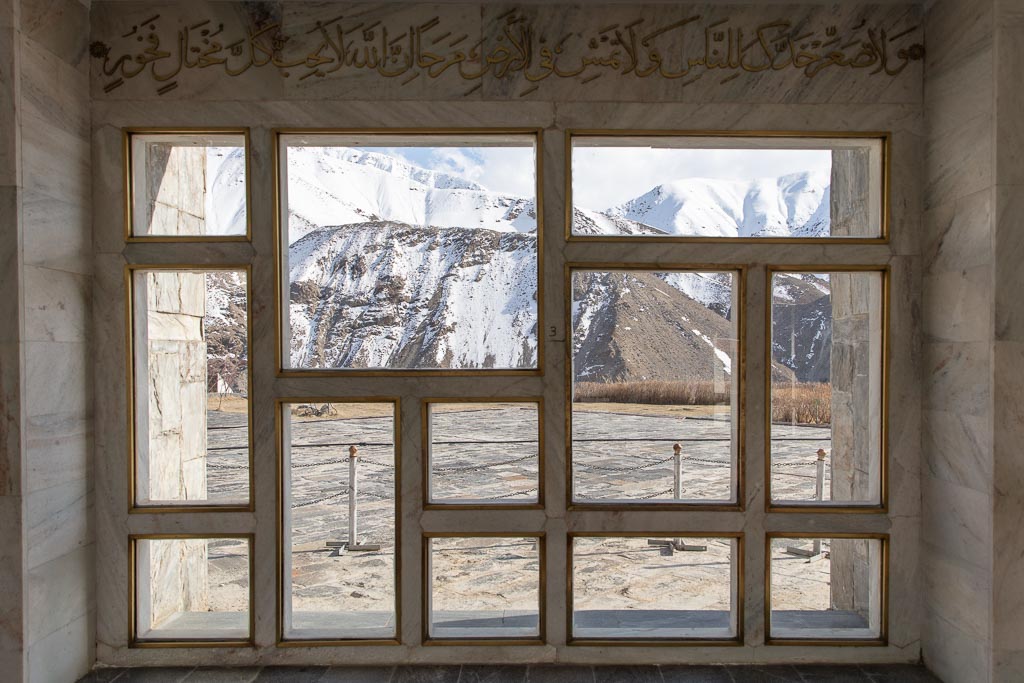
(479, 468)
(511, 495)
(655, 495)
(605, 468)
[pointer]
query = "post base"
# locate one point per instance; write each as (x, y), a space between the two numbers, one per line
(676, 545)
(338, 546)
(813, 555)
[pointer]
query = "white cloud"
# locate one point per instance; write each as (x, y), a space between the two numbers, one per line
(607, 176)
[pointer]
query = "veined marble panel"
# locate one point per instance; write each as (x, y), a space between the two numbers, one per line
(57, 520)
(957, 377)
(57, 26)
(959, 161)
(58, 449)
(1008, 422)
(959, 657)
(10, 268)
(696, 52)
(51, 239)
(963, 586)
(64, 655)
(1008, 570)
(57, 305)
(10, 164)
(958, 305)
(1009, 255)
(56, 164)
(54, 380)
(957, 233)
(59, 591)
(12, 587)
(1009, 101)
(957, 520)
(957, 448)
(53, 93)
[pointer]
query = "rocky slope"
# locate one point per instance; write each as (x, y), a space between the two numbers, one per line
(391, 265)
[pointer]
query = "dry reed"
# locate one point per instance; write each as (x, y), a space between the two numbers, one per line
(804, 403)
(687, 393)
(807, 403)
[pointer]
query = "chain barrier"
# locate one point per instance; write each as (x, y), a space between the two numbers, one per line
(479, 468)
(655, 495)
(511, 495)
(604, 468)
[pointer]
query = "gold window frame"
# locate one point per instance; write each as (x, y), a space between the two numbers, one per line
(739, 489)
(737, 569)
(426, 403)
(787, 506)
(127, 135)
(131, 382)
(883, 633)
(596, 133)
(426, 588)
(537, 134)
(153, 643)
(282, 500)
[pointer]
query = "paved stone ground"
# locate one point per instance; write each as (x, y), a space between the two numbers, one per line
(358, 583)
(546, 673)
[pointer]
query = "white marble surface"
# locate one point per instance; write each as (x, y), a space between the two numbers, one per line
(47, 318)
(564, 29)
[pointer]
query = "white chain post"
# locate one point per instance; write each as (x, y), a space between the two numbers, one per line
(676, 544)
(353, 493)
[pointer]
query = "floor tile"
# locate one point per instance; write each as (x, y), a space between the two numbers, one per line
(554, 673)
(358, 674)
(695, 674)
(627, 674)
(291, 674)
(426, 674)
(493, 674)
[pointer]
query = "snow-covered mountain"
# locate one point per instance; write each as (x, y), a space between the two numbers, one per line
(795, 205)
(391, 265)
(330, 186)
(390, 294)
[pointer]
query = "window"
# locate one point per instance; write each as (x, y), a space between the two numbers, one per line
(669, 422)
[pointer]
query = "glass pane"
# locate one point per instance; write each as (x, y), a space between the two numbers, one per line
(188, 185)
(826, 387)
(826, 588)
(410, 253)
(192, 589)
(484, 453)
(484, 587)
(658, 587)
(739, 187)
(339, 465)
(655, 412)
(191, 387)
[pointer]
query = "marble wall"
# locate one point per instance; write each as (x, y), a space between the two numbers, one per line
(264, 98)
(46, 563)
(973, 543)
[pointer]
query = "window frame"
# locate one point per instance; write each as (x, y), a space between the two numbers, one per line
(884, 210)
(128, 133)
(283, 536)
(790, 506)
(132, 380)
(737, 484)
(559, 520)
(280, 253)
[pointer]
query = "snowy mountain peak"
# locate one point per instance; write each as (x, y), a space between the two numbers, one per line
(796, 204)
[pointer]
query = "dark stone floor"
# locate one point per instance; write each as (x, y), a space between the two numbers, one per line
(889, 673)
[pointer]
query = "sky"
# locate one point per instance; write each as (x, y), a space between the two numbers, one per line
(607, 176)
(506, 170)
(604, 177)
